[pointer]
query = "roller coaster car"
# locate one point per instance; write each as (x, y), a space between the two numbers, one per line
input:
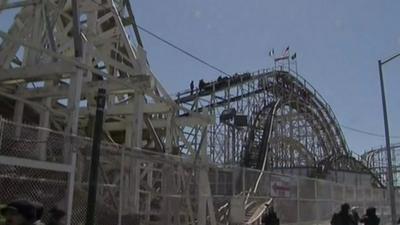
(227, 114)
(222, 82)
(241, 121)
(238, 120)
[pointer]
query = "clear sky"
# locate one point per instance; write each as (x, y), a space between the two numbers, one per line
(338, 43)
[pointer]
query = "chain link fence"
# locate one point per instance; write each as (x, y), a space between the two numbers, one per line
(35, 166)
(143, 187)
(300, 200)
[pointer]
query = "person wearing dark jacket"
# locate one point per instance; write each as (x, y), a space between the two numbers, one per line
(370, 217)
(19, 212)
(343, 217)
(270, 217)
(39, 213)
(56, 215)
(354, 215)
(191, 87)
(202, 84)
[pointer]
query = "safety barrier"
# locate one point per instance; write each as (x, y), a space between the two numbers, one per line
(141, 187)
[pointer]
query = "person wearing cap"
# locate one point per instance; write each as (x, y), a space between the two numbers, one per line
(19, 212)
(343, 217)
(354, 215)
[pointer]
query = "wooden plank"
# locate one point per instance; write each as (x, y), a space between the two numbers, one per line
(40, 71)
(36, 164)
(112, 87)
(17, 4)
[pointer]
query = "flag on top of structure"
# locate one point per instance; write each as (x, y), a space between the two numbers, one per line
(285, 55)
(286, 52)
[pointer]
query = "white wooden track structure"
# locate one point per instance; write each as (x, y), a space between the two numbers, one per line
(55, 57)
(58, 53)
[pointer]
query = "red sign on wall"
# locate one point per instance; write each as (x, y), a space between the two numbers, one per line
(280, 187)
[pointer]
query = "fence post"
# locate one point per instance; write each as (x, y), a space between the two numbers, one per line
(95, 159)
(316, 200)
(298, 199)
(121, 187)
(1, 130)
(71, 183)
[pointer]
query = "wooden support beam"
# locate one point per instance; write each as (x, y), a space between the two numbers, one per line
(127, 109)
(189, 121)
(36, 164)
(112, 87)
(12, 5)
(36, 72)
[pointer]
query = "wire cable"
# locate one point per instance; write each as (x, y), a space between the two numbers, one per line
(366, 132)
(187, 53)
(181, 50)
(147, 31)
(221, 71)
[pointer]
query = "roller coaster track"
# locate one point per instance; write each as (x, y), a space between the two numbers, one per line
(261, 158)
(376, 160)
(290, 124)
(73, 50)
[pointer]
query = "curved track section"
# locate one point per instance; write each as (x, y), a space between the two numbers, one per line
(257, 152)
(268, 119)
(376, 160)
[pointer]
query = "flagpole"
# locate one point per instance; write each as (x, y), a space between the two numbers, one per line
(294, 59)
(271, 53)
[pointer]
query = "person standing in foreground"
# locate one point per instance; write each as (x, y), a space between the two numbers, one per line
(370, 217)
(39, 213)
(354, 215)
(19, 212)
(55, 216)
(270, 217)
(343, 217)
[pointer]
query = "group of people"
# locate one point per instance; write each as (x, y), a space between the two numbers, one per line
(347, 216)
(24, 212)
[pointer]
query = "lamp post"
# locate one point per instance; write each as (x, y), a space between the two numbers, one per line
(387, 137)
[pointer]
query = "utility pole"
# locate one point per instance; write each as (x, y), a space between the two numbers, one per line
(392, 196)
(95, 159)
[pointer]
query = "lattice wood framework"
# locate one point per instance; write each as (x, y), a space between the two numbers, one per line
(376, 160)
(286, 119)
(39, 69)
(58, 53)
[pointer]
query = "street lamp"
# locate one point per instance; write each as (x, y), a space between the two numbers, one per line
(387, 137)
